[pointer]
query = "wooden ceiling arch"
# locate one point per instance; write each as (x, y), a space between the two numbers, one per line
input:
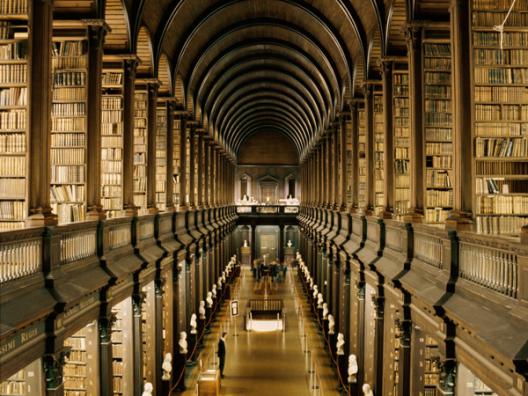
(145, 53)
(164, 75)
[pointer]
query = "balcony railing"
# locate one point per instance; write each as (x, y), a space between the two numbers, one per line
(21, 255)
(493, 267)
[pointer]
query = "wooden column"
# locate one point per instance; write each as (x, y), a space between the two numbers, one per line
(207, 171)
(414, 48)
(354, 176)
(461, 216)
(183, 161)
(200, 172)
(336, 202)
(128, 136)
(192, 165)
(39, 140)
(344, 117)
(369, 152)
(96, 32)
(170, 157)
(152, 89)
(388, 150)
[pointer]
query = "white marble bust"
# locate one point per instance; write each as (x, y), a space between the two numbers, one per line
(213, 290)
(340, 344)
(352, 368)
(325, 311)
(182, 343)
(320, 300)
(147, 389)
(331, 324)
(209, 299)
(367, 390)
(201, 309)
(193, 324)
(166, 366)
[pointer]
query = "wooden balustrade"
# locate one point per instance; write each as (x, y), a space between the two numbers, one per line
(78, 245)
(146, 228)
(429, 249)
(490, 266)
(20, 256)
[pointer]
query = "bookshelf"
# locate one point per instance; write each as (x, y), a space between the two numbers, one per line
(81, 369)
(122, 348)
(500, 94)
(140, 148)
(68, 133)
(431, 367)
(26, 382)
(379, 138)
(394, 352)
(362, 161)
(187, 167)
(161, 156)
(349, 163)
(148, 334)
(176, 160)
(438, 133)
(167, 312)
(112, 142)
(14, 85)
(402, 136)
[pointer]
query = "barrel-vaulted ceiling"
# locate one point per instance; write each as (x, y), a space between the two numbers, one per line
(240, 66)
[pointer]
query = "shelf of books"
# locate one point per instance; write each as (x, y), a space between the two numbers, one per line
(140, 148)
(394, 352)
(14, 84)
(148, 333)
(176, 160)
(167, 312)
(438, 131)
(26, 382)
(401, 139)
(81, 370)
(379, 138)
(112, 142)
(68, 133)
(500, 81)
(187, 167)
(161, 156)
(362, 160)
(349, 163)
(427, 356)
(122, 347)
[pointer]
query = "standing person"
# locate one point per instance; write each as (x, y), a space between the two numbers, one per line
(222, 353)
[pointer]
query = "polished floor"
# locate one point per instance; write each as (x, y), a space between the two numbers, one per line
(275, 363)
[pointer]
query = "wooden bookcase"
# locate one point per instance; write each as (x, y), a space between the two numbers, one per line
(140, 148)
(176, 164)
(402, 137)
(349, 163)
(14, 86)
(122, 363)
(379, 139)
(438, 132)
(81, 371)
(148, 334)
(500, 96)
(362, 160)
(161, 156)
(112, 142)
(26, 382)
(69, 123)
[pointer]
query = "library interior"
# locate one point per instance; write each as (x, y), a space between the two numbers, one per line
(263, 197)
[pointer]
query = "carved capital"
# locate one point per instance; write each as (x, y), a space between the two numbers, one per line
(53, 368)
(130, 68)
(412, 35)
(137, 302)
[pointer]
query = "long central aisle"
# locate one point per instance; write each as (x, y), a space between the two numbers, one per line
(265, 363)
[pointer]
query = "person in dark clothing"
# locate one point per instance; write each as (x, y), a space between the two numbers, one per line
(222, 353)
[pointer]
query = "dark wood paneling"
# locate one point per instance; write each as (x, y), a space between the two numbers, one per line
(268, 148)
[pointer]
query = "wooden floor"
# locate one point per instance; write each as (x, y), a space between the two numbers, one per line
(269, 363)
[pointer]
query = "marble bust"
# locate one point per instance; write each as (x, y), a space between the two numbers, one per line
(201, 309)
(352, 368)
(166, 366)
(182, 343)
(340, 344)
